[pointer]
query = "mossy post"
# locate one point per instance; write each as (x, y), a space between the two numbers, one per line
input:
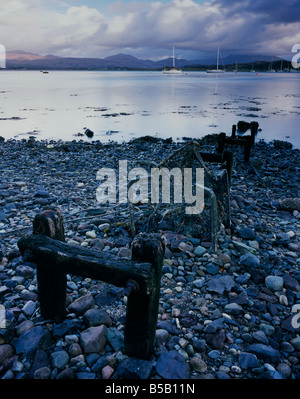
(142, 308)
(52, 283)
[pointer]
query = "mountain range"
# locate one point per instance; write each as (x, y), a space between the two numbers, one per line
(20, 59)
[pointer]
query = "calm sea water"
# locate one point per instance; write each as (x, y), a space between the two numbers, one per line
(121, 105)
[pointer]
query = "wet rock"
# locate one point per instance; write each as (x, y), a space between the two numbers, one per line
(290, 204)
(258, 276)
(91, 234)
(96, 317)
(124, 252)
(98, 243)
(290, 282)
(214, 326)
(25, 271)
(246, 233)
(42, 373)
(265, 352)
(169, 327)
(132, 368)
(110, 295)
(29, 308)
(199, 251)
(217, 340)
(171, 365)
(36, 338)
(74, 350)
(274, 283)
(243, 248)
(287, 324)
(248, 360)
(59, 359)
(107, 372)
(240, 299)
(66, 327)
(233, 308)
(66, 374)
(249, 260)
(40, 360)
(284, 369)
(212, 268)
(273, 375)
(220, 284)
(6, 351)
(82, 304)
(93, 339)
(224, 258)
(89, 133)
(161, 336)
(296, 343)
(41, 193)
(23, 327)
(115, 338)
(198, 364)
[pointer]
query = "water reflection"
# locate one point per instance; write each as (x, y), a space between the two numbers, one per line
(122, 105)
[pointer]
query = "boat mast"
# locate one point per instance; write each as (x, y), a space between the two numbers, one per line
(218, 58)
(173, 57)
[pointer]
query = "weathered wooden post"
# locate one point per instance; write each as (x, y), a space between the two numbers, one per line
(221, 142)
(233, 134)
(253, 133)
(142, 309)
(51, 282)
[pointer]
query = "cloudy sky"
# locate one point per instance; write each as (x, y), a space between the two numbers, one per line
(149, 29)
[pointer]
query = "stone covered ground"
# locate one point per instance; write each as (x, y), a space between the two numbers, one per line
(223, 315)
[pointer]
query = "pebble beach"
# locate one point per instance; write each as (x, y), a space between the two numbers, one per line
(222, 315)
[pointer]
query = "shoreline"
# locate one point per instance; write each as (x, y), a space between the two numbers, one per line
(240, 332)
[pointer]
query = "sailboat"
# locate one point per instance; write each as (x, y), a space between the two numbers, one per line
(271, 67)
(216, 70)
(173, 70)
(236, 68)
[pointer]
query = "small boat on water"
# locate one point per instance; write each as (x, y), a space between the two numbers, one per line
(216, 70)
(236, 68)
(173, 70)
(271, 67)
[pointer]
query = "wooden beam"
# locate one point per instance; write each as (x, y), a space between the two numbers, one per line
(86, 262)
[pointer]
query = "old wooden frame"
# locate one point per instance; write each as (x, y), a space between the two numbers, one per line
(140, 276)
(246, 141)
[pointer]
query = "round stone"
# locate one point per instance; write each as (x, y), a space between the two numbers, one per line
(59, 359)
(198, 364)
(199, 251)
(224, 258)
(274, 283)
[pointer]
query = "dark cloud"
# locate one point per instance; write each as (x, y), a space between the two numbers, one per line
(270, 11)
(142, 28)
